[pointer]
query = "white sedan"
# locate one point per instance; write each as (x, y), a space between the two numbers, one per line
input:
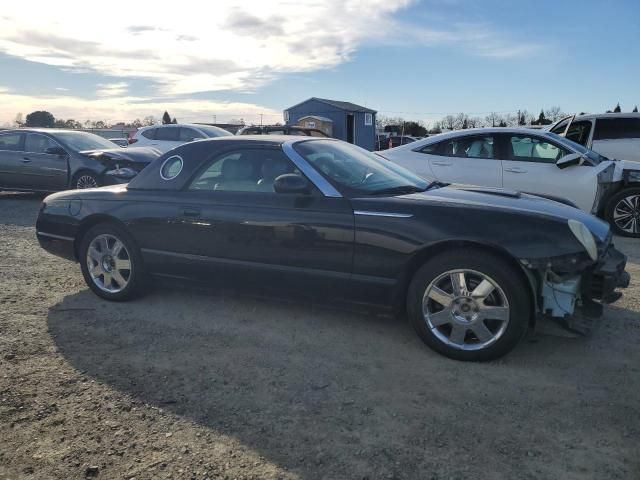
(531, 161)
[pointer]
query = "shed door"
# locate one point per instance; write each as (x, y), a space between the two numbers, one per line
(351, 126)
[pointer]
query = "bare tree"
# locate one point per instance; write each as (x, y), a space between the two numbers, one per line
(493, 119)
(449, 122)
(149, 120)
(474, 122)
(554, 114)
(18, 121)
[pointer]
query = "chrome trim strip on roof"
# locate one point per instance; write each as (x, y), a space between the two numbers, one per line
(318, 180)
(382, 214)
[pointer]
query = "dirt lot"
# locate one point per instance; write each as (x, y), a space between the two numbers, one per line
(183, 384)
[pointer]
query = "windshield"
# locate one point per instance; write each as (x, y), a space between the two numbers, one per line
(590, 154)
(211, 131)
(356, 171)
(80, 141)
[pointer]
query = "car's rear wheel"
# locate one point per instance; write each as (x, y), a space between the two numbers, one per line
(111, 263)
(469, 305)
(623, 212)
(85, 179)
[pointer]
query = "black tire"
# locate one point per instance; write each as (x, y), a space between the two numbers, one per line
(512, 286)
(136, 279)
(85, 179)
(615, 206)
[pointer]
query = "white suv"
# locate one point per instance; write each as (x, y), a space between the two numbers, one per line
(166, 137)
(532, 161)
(614, 135)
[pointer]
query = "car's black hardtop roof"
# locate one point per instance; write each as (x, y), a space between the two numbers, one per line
(194, 153)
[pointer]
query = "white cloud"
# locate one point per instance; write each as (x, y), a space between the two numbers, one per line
(116, 109)
(112, 89)
(197, 46)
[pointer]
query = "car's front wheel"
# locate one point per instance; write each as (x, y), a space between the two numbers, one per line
(111, 263)
(469, 305)
(623, 212)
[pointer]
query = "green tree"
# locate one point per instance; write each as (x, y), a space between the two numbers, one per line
(174, 121)
(414, 129)
(40, 118)
(71, 123)
(166, 118)
(617, 109)
(635, 110)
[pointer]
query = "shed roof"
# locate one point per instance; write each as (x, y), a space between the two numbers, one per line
(347, 106)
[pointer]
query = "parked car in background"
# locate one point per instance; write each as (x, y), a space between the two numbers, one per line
(614, 135)
(385, 143)
(281, 130)
(121, 142)
(531, 161)
(49, 160)
(326, 216)
(166, 137)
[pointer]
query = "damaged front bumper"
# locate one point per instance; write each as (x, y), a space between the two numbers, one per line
(574, 300)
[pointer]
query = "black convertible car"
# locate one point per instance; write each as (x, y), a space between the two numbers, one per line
(474, 267)
(49, 160)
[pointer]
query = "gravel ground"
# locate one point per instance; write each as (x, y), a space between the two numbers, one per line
(204, 384)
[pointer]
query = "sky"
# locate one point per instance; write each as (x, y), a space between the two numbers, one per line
(223, 60)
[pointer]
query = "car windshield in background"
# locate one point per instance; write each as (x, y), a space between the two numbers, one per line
(594, 156)
(357, 171)
(81, 141)
(211, 131)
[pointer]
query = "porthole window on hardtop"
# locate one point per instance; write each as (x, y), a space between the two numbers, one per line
(171, 167)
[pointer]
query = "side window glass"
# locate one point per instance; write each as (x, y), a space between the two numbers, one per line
(531, 149)
(579, 132)
(170, 134)
(150, 134)
(559, 129)
(469, 147)
(247, 170)
(35, 143)
(189, 134)
(10, 141)
(432, 149)
(616, 128)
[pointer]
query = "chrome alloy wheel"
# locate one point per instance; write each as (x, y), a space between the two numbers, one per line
(465, 309)
(626, 214)
(109, 263)
(86, 181)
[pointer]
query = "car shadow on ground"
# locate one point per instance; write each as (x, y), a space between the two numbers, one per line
(342, 391)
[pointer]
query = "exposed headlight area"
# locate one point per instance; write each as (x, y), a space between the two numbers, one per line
(585, 237)
(632, 175)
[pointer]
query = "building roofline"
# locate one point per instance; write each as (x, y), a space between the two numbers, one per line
(329, 102)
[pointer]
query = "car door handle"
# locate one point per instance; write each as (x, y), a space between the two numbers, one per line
(190, 212)
(26, 159)
(515, 170)
(442, 164)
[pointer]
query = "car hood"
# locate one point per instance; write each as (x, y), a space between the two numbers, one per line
(481, 197)
(131, 154)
